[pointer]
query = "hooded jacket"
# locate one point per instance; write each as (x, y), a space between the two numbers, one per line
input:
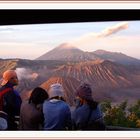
(57, 115)
(11, 104)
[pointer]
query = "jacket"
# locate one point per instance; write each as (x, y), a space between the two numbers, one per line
(31, 117)
(11, 104)
(57, 115)
(85, 118)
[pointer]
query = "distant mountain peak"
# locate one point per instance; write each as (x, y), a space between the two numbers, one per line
(67, 46)
(64, 52)
(69, 52)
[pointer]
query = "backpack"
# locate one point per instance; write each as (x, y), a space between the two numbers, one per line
(97, 124)
(3, 120)
(2, 92)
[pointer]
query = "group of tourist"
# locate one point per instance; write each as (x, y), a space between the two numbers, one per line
(47, 110)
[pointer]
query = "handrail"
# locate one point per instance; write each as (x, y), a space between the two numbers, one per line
(108, 127)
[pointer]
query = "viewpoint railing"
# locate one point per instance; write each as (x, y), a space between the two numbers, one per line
(115, 128)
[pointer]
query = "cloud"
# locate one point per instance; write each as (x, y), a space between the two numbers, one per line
(92, 37)
(113, 29)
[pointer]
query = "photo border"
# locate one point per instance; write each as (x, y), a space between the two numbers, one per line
(26, 135)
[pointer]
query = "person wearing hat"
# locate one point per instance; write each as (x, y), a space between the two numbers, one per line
(10, 100)
(56, 111)
(87, 114)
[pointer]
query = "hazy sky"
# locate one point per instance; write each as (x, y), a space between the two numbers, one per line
(31, 41)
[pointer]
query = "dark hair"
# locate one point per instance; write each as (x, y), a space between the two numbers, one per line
(59, 98)
(92, 104)
(38, 96)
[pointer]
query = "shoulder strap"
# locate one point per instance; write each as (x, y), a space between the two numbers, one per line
(86, 124)
(1, 96)
(4, 91)
(90, 112)
(97, 124)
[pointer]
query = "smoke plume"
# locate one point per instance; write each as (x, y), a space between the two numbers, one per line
(113, 29)
(23, 73)
(94, 37)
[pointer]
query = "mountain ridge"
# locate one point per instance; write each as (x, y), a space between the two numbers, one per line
(66, 52)
(108, 79)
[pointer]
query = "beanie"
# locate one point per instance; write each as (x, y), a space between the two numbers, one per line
(7, 75)
(56, 90)
(84, 91)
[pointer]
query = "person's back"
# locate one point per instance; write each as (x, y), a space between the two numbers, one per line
(10, 100)
(85, 117)
(57, 115)
(87, 114)
(56, 111)
(31, 115)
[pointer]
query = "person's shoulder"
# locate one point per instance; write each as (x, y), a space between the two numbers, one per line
(16, 92)
(98, 107)
(46, 102)
(1, 88)
(81, 108)
(25, 102)
(26, 105)
(66, 105)
(8, 91)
